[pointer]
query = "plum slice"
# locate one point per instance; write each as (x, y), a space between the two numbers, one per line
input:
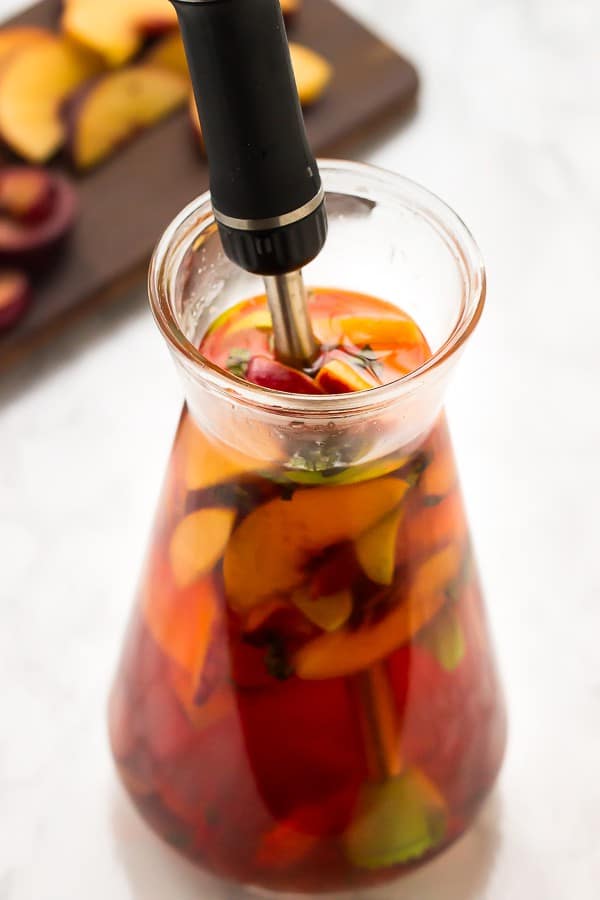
(37, 210)
(26, 194)
(272, 374)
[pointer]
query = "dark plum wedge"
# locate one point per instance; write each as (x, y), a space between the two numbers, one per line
(37, 211)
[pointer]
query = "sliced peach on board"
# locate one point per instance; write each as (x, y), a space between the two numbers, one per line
(183, 623)
(12, 39)
(311, 71)
(15, 298)
(116, 29)
(198, 542)
(339, 377)
(168, 53)
(118, 105)
(34, 83)
(376, 548)
(347, 651)
(195, 122)
(268, 552)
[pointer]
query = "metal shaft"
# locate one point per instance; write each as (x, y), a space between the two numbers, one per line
(295, 343)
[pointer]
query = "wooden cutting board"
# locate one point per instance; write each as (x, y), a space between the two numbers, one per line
(126, 204)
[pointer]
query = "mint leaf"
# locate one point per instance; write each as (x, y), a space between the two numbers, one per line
(368, 359)
(237, 361)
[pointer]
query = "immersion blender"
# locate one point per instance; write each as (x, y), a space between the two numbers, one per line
(264, 182)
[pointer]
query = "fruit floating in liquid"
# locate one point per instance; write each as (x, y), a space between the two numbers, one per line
(308, 699)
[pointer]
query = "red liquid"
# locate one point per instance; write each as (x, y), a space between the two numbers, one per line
(307, 699)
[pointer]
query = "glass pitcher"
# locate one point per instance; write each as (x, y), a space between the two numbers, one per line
(310, 749)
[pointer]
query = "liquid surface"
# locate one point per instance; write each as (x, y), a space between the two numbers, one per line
(307, 699)
(364, 343)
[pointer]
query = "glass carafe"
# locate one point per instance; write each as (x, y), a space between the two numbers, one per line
(300, 742)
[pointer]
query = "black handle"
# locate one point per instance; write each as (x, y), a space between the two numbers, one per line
(264, 181)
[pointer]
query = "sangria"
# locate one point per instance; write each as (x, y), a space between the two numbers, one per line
(307, 699)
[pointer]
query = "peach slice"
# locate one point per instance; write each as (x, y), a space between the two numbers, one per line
(119, 104)
(259, 319)
(183, 623)
(339, 377)
(311, 71)
(116, 29)
(440, 476)
(205, 465)
(328, 613)
(290, 8)
(429, 528)
(195, 122)
(13, 39)
(376, 548)
(198, 542)
(345, 652)
(230, 322)
(379, 333)
(217, 706)
(267, 554)
(34, 82)
(169, 53)
(15, 298)
(284, 846)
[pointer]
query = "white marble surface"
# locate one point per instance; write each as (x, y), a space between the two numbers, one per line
(508, 131)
